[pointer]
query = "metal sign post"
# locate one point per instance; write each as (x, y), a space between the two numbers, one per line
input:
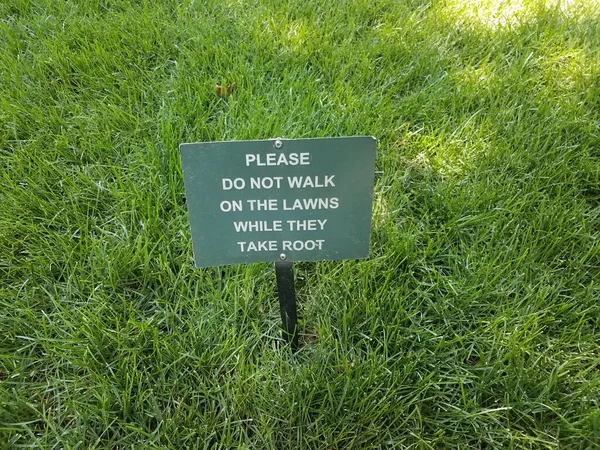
(286, 292)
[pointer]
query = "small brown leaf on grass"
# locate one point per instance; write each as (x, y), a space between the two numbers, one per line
(310, 337)
(222, 91)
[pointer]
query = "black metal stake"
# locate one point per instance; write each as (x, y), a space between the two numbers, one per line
(287, 302)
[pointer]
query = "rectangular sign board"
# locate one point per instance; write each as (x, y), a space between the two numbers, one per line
(279, 199)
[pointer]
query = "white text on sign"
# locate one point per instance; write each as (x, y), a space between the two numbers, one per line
(278, 159)
(270, 183)
(300, 182)
(272, 246)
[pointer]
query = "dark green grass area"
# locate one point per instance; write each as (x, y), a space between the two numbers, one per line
(475, 323)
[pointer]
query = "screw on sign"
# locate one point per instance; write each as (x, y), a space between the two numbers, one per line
(280, 201)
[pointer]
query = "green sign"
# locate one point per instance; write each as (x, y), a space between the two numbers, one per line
(279, 199)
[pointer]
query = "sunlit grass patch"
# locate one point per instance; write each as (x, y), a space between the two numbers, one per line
(498, 14)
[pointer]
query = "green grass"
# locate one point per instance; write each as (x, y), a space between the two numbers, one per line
(475, 323)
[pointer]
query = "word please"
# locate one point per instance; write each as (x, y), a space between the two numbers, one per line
(278, 159)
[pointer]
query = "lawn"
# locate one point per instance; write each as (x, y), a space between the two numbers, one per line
(474, 323)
